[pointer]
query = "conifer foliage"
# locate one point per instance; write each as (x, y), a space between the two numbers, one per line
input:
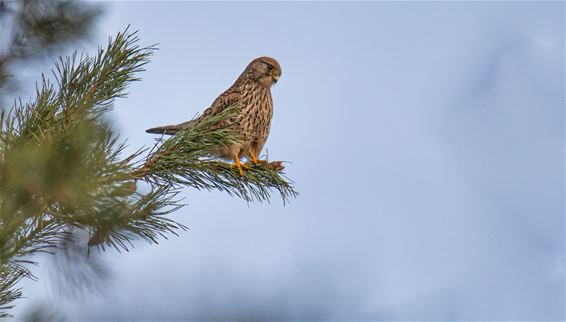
(63, 169)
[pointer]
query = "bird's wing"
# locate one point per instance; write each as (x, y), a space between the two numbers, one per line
(226, 99)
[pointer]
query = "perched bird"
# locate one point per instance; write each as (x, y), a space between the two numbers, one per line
(252, 90)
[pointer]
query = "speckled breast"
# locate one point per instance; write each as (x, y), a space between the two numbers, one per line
(255, 118)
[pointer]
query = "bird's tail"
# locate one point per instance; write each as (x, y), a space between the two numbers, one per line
(171, 129)
(168, 129)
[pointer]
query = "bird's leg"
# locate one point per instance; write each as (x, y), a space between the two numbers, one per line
(254, 159)
(237, 164)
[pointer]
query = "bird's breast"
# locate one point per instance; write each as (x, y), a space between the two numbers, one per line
(255, 118)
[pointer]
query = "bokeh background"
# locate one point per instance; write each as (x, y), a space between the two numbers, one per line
(426, 139)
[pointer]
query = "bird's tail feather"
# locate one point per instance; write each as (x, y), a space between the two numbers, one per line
(171, 129)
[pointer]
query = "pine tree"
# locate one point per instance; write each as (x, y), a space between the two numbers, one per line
(33, 29)
(63, 169)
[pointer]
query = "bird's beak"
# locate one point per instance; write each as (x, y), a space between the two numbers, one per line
(275, 78)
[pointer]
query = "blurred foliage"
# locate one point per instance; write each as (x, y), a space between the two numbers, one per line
(42, 313)
(31, 29)
(63, 170)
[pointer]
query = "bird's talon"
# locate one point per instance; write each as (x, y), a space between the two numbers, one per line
(256, 162)
(241, 167)
(233, 166)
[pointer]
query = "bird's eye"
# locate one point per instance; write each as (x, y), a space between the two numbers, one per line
(270, 67)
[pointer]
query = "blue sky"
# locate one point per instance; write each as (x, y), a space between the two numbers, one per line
(426, 139)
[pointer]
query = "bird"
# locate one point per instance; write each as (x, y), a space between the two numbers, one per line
(252, 90)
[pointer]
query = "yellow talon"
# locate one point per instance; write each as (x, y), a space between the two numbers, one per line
(254, 160)
(237, 164)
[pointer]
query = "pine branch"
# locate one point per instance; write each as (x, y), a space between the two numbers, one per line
(10, 275)
(184, 159)
(61, 166)
(62, 169)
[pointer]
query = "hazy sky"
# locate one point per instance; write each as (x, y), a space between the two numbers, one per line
(426, 139)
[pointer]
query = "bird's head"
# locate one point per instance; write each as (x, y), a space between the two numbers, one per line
(264, 70)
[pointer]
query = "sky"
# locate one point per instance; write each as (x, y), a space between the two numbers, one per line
(426, 140)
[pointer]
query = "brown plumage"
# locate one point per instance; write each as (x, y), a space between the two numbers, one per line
(253, 91)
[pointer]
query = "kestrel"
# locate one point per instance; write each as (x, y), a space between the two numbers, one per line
(252, 90)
